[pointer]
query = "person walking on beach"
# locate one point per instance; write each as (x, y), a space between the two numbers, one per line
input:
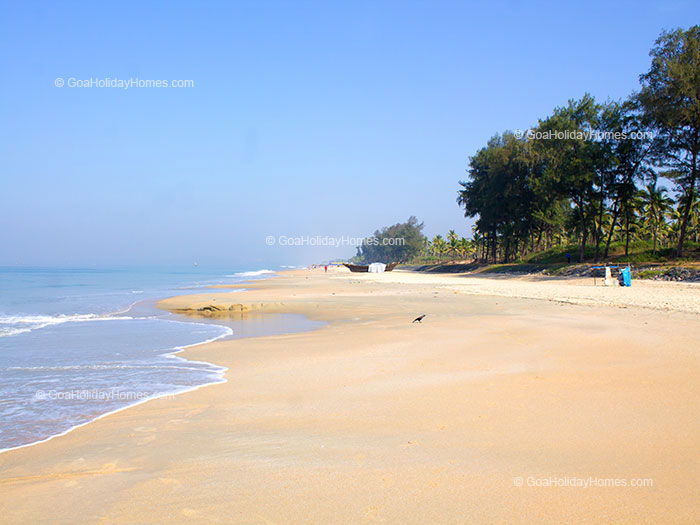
(325, 268)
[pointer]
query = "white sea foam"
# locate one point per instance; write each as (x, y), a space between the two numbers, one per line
(217, 376)
(8, 331)
(93, 367)
(251, 274)
(96, 369)
(18, 324)
(219, 379)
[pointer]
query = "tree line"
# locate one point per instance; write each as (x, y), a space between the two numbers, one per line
(590, 172)
(414, 247)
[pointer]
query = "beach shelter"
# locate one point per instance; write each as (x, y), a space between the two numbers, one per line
(376, 267)
(626, 274)
(608, 277)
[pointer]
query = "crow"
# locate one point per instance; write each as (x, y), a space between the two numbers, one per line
(419, 319)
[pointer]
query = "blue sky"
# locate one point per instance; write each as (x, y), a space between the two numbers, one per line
(305, 118)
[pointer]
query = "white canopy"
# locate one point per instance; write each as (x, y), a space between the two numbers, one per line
(376, 268)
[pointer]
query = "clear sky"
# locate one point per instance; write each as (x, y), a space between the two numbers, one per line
(305, 118)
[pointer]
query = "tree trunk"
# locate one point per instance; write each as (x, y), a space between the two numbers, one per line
(616, 211)
(582, 218)
(599, 227)
(627, 228)
(494, 250)
(681, 235)
(596, 241)
(686, 213)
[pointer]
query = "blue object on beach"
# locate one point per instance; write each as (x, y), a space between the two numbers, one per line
(626, 277)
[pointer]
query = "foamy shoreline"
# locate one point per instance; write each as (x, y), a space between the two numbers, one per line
(220, 371)
(121, 315)
(139, 310)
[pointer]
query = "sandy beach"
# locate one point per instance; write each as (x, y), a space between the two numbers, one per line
(517, 399)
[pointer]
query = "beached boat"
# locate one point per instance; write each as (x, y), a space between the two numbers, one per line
(360, 268)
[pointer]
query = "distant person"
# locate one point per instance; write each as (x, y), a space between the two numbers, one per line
(325, 268)
(568, 258)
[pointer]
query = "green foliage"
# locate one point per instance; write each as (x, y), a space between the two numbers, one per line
(670, 98)
(574, 179)
(498, 190)
(398, 243)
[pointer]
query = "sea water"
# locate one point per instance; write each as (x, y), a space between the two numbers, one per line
(76, 344)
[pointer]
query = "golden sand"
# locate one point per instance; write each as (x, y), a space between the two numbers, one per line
(372, 418)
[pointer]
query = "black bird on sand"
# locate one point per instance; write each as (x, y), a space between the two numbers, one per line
(419, 319)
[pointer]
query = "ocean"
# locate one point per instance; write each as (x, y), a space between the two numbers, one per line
(76, 344)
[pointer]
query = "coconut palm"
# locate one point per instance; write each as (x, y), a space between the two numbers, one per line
(439, 247)
(629, 212)
(477, 240)
(427, 247)
(655, 205)
(452, 241)
(693, 215)
(464, 247)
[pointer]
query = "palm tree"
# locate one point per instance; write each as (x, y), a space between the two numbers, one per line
(464, 247)
(426, 247)
(439, 247)
(656, 204)
(479, 243)
(629, 210)
(693, 215)
(452, 239)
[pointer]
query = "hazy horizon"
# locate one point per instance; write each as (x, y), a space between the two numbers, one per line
(309, 119)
